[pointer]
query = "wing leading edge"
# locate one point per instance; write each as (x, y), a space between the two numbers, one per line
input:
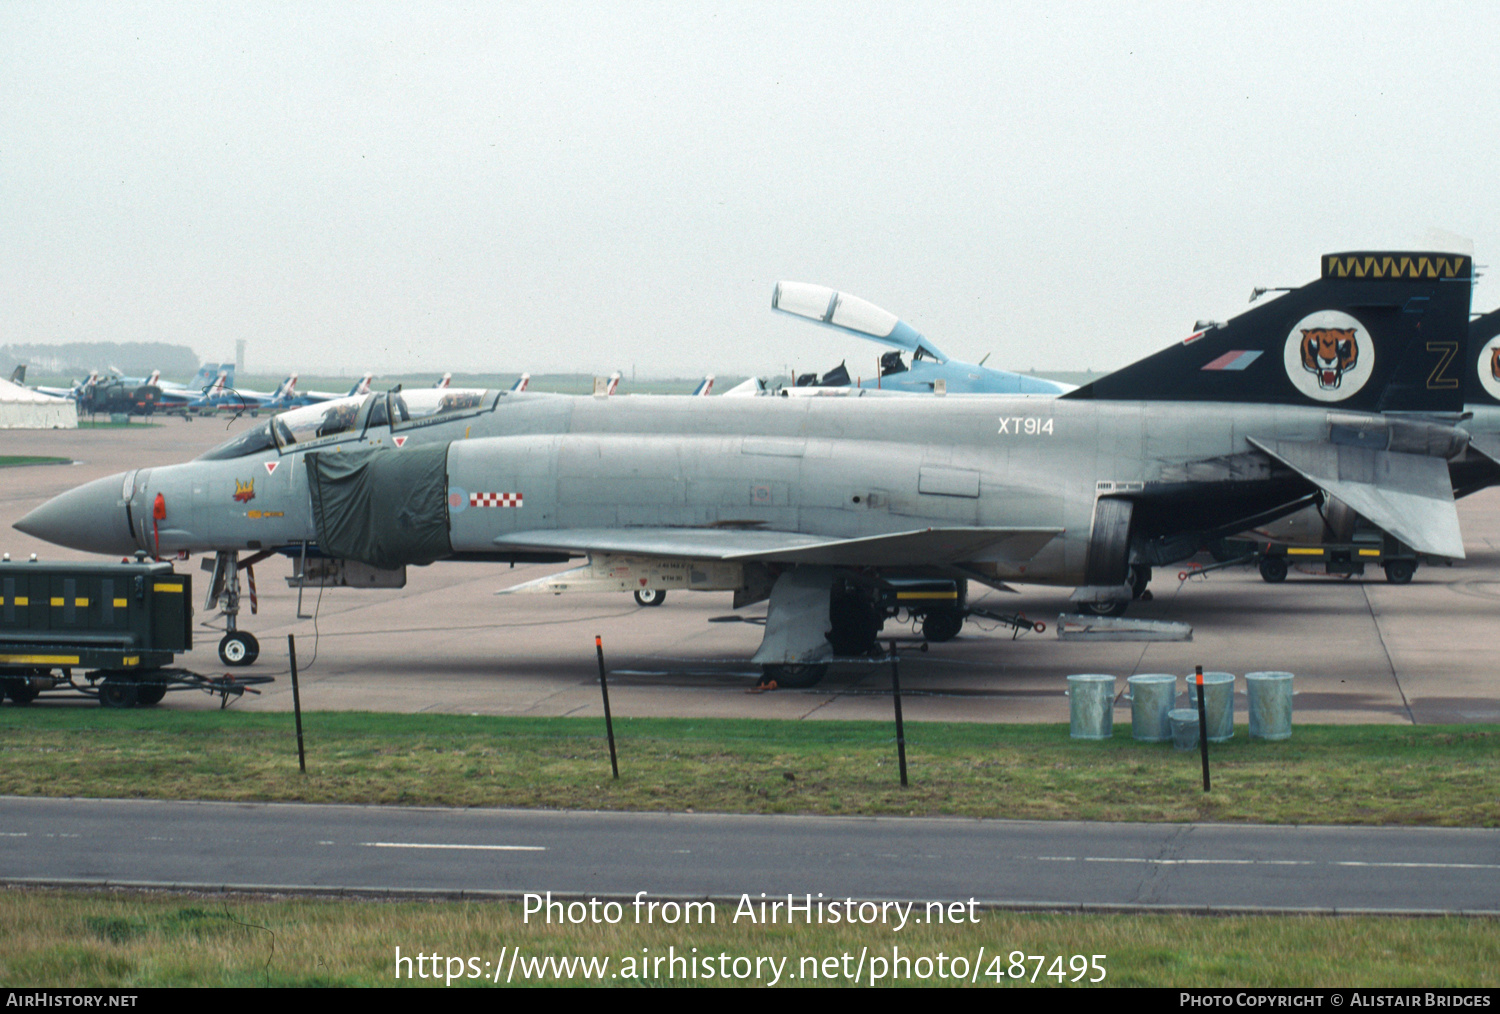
(916, 547)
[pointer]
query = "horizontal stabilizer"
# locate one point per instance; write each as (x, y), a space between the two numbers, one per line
(1408, 495)
(911, 548)
(1487, 444)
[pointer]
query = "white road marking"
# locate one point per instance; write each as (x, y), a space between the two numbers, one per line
(425, 845)
(1266, 862)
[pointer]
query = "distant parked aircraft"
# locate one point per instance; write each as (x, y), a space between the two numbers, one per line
(929, 364)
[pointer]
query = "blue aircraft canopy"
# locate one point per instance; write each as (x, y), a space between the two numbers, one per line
(852, 314)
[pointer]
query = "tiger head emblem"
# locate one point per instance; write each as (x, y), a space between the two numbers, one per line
(1329, 352)
(1495, 362)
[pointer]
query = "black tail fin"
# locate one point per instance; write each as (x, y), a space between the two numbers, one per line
(1482, 362)
(19, 376)
(1377, 332)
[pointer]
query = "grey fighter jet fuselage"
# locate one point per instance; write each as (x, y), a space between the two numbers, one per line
(796, 499)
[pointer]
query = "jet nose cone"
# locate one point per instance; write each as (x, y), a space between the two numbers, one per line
(91, 518)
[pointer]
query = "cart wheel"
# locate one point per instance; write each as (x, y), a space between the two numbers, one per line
(20, 691)
(650, 597)
(239, 648)
(1400, 571)
(1114, 607)
(1272, 569)
(118, 691)
(942, 625)
(150, 692)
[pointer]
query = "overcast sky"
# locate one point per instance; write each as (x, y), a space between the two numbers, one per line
(585, 187)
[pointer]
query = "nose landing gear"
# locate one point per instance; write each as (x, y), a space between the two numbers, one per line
(237, 647)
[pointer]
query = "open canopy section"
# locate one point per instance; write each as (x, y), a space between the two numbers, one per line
(852, 315)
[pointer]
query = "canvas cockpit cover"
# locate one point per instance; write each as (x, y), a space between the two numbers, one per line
(410, 525)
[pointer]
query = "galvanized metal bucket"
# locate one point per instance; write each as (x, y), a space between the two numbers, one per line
(1184, 722)
(1151, 698)
(1270, 695)
(1218, 694)
(1091, 706)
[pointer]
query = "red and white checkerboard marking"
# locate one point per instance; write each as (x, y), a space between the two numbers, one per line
(494, 499)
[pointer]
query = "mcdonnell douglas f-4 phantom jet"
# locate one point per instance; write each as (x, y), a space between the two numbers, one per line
(1347, 387)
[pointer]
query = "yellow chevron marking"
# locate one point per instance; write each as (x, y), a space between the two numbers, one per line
(57, 602)
(121, 603)
(927, 595)
(39, 659)
(1369, 552)
(1294, 551)
(131, 660)
(1396, 267)
(169, 587)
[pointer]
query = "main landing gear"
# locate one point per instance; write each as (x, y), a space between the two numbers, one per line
(1138, 577)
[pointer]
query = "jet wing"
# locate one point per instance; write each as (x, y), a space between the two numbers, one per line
(911, 548)
(1408, 495)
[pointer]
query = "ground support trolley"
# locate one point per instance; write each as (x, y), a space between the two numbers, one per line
(119, 625)
(1274, 560)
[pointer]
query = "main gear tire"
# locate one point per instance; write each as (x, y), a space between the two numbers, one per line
(650, 596)
(1140, 577)
(855, 626)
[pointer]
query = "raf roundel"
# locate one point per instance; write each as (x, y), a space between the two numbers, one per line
(1489, 367)
(1329, 355)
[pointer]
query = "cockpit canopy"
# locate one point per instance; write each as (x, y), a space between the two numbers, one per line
(349, 416)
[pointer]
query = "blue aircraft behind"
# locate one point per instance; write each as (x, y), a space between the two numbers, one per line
(929, 364)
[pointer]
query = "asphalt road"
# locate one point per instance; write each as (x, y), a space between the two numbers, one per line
(473, 852)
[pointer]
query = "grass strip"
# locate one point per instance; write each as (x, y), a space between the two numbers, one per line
(1423, 775)
(17, 460)
(125, 939)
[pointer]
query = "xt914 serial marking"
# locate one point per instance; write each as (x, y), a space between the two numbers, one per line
(825, 505)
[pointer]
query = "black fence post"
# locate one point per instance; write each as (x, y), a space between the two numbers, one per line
(609, 725)
(900, 725)
(291, 647)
